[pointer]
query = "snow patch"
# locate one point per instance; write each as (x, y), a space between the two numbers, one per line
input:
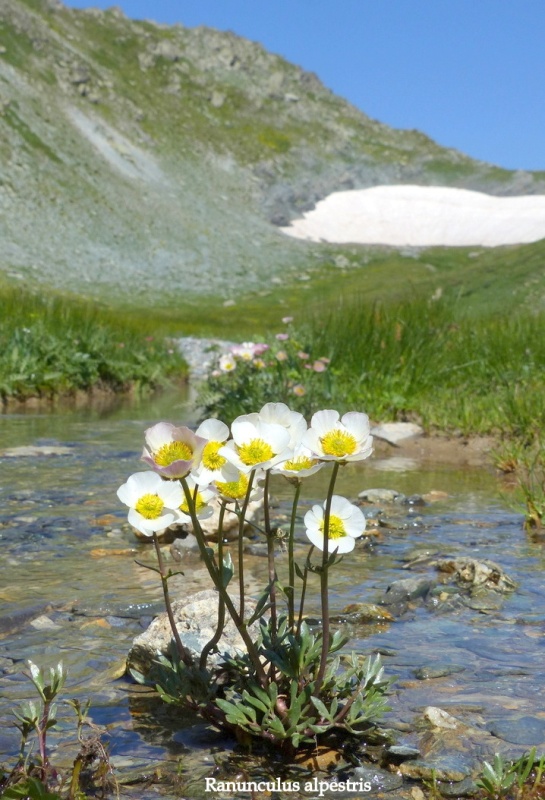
(422, 216)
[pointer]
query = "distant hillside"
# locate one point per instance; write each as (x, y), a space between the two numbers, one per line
(147, 161)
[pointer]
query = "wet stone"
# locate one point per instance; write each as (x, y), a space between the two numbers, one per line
(437, 671)
(406, 589)
(522, 730)
(465, 788)
(399, 753)
(377, 496)
(443, 768)
(380, 779)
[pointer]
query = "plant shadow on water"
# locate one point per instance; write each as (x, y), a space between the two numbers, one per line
(71, 590)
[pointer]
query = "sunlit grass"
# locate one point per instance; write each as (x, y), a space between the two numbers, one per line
(51, 345)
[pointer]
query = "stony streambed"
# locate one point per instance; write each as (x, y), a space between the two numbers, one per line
(467, 647)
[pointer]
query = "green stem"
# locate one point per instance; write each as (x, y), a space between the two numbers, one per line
(270, 559)
(303, 591)
(216, 578)
(221, 605)
(324, 587)
(241, 523)
(182, 651)
(291, 563)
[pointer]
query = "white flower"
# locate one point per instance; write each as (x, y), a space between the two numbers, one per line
(235, 490)
(256, 443)
(227, 363)
(300, 464)
(213, 466)
(172, 452)
(153, 502)
(280, 414)
(244, 351)
(201, 499)
(346, 523)
(344, 439)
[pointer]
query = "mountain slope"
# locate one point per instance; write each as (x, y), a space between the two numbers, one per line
(152, 162)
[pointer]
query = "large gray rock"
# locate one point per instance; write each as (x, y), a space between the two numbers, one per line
(196, 619)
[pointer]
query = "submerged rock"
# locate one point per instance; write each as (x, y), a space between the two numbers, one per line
(469, 573)
(196, 619)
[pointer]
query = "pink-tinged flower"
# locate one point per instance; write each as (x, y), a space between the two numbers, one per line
(282, 337)
(260, 348)
(332, 438)
(319, 366)
(281, 355)
(287, 320)
(153, 503)
(255, 444)
(346, 524)
(227, 363)
(303, 356)
(299, 390)
(172, 452)
(325, 359)
(244, 351)
(292, 421)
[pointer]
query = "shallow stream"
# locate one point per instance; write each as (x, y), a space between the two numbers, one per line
(70, 590)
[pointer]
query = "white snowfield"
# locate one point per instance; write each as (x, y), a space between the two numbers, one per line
(422, 216)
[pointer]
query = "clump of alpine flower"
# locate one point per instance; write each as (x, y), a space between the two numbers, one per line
(249, 373)
(287, 687)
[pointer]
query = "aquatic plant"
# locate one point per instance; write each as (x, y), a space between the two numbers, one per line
(35, 777)
(287, 686)
(519, 780)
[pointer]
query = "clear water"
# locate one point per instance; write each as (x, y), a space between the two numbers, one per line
(68, 562)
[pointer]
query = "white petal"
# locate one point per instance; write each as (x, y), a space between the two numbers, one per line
(214, 430)
(243, 430)
(311, 440)
(158, 435)
(357, 424)
(324, 421)
(171, 493)
(278, 413)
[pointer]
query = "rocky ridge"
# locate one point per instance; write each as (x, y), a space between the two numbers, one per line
(141, 159)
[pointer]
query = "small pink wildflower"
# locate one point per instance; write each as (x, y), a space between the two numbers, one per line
(319, 366)
(282, 337)
(281, 355)
(287, 320)
(299, 390)
(303, 356)
(325, 359)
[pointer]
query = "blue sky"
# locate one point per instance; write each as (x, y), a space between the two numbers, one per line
(469, 73)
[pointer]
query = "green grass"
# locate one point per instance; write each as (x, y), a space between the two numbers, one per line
(57, 345)
(436, 363)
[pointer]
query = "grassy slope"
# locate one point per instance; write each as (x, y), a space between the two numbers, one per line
(145, 163)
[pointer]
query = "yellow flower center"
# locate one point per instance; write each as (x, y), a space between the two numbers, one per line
(150, 506)
(210, 458)
(336, 527)
(255, 452)
(338, 443)
(173, 451)
(198, 501)
(236, 490)
(299, 463)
